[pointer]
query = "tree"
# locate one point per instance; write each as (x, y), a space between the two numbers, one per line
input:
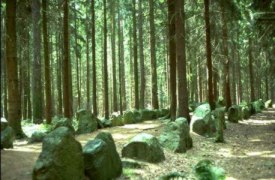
(208, 55)
(94, 58)
(66, 74)
(14, 110)
(172, 58)
(154, 79)
(135, 55)
(251, 76)
(47, 66)
(37, 96)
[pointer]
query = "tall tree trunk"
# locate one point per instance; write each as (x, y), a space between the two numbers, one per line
(94, 58)
(113, 39)
(141, 55)
(251, 75)
(36, 68)
(123, 87)
(208, 55)
(135, 55)
(66, 66)
(105, 66)
(154, 82)
(87, 71)
(182, 98)
(14, 110)
(226, 64)
(172, 58)
(48, 92)
(59, 75)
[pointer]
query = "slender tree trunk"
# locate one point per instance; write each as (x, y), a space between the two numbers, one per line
(251, 75)
(172, 58)
(94, 59)
(208, 55)
(47, 65)
(14, 110)
(240, 96)
(66, 66)
(36, 69)
(135, 55)
(123, 88)
(105, 66)
(119, 57)
(154, 82)
(59, 75)
(141, 55)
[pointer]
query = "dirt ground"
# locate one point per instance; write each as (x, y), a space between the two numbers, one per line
(248, 154)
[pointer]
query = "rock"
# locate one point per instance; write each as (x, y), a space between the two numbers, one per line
(234, 114)
(220, 102)
(7, 136)
(128, 117)
(64, 122)
(37, 136)
(144, 147)
(137, 116)
(176, 136)
(218, 114)
(163, 112)
(4, 123)
(117, 120)
(202, 122)
(101, 158)
(106, 122)
(258, 106)
(245, 112)
(205, 170)
(147, 114)
(87, 122)
(61, 157)
(268, 104)
(193, 106)
(173, 175)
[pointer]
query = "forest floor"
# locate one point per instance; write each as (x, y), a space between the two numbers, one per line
(247, 154)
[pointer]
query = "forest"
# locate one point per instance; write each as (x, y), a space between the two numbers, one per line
(137, 89)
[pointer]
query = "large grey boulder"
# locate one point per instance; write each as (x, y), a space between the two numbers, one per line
(7, 135)
(137, 116)
(128, 117)
(147, 114)
(117, 120)
(87, 122)
(37, 136)
(176, 136)
(202, 122)
(61, 157)
(64, 122)
(101, 158)
(234, 113)
(144, 147)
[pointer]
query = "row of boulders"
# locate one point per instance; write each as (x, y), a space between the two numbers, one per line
(62, 157)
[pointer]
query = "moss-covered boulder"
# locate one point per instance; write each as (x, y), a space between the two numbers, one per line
(176, 136)
(128, 117)
(87, 122)
(163, 112)
(144, 147)
(147, 114)
(234, 114)
(117, 120)
(246, 112)
(206, 170)
(101, 158)
(137, 116)
(64, 122)
(106, 122)
(268, 104)
(7, 135)
(218, 115)
(37, 136)
(202, 122)
(61, 157)
(220, 102)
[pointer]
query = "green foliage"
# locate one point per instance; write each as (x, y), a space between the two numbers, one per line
(205, 170)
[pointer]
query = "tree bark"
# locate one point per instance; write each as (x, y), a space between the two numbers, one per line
(251, 75)
(94, 59)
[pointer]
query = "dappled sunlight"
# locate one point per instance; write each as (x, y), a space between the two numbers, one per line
(257, 122)
(140, 126)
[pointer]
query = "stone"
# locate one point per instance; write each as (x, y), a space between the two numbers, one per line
(37, 136)
(163, 112)
(245, 112)
(137, 116)
(61, 157)
(7, 136)
(101, 158)
(268, 104)
(144, 147)
(4, 123)
(220, 102)
(205, 170)
(87, 122)
(128, 117)
(117, 120)
(234, 114)
(147, 114)
(218, 115)
(64, 122)
(106, 122)
(202, 122)
(176, 136)
(258, 106)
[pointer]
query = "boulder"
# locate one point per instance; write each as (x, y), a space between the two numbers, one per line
(268, 104)
(37, 136)
(144, 147)
(61, 157)
(137, 116)
(128, 117)
(106, 122)
(202, 122)
(234, 114)
(218, 115)
(101, 158)
(7, 135)
(258, 106)
(87, 122)
(147, 114)
(245, 112)
(117, 120)
(205, 170)
(64, 122)
(163, 112)
(220, 102)
(176, 136)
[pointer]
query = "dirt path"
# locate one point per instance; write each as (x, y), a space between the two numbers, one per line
(249, 151)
